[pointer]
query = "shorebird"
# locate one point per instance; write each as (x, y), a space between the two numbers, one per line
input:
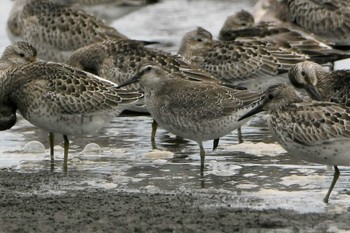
(56, 97)
(242, 26)
(249, 63)
(253, 63)
(198, 111)
(56, 29)
(238, 24)
(316, 131)
(321, 84)
(118, 61)
(328, 20)
(19, 54)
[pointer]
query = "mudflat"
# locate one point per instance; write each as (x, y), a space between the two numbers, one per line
(52, 202)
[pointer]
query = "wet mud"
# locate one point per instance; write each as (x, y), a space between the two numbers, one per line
(52, 202)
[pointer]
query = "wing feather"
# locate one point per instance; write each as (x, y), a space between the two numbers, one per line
(314, 123)
(207, 101)
(242, 60)
(73, 90)
(53, 23)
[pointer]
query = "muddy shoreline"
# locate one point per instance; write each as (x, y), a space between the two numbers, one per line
(50, 202)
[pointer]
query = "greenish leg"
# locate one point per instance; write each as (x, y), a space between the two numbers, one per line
(335, 178)
(153, 135)
(65, 158)
(51, 139)
(239, 134)
(202, 155)
(216, 143)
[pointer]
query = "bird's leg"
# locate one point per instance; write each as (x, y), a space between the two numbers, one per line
(331, 66)
(335, 178)
(65, 158)
(153, 135)
(239, 134)
(202, 155)
(216, 143)
(51, 140)
(202, 183)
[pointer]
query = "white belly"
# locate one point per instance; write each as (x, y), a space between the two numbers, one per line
(332, 153)
(67, 124)
(200, 130)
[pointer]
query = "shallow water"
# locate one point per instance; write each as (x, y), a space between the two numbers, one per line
(256, 174)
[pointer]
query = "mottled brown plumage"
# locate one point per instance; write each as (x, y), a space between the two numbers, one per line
(19, 53)
(318, 132)
(332, 85)
(251, 63)
(198, 111)
(327, 19)
(56, 29)
(59, 98)
(241, 26)
(117, 61)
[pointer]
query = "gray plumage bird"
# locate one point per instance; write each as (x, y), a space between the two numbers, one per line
(254, 64)
(321, 84)
(198, 111)
(242, 26)
(329, 20)
(56, 97)
(317, 132)
(118, 61)
(55, 29)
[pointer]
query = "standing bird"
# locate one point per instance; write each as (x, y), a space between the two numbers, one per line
(56, 97)
(199, 111)
(241, 26)
(118, 61)
(18, 54)
(329, 20)
(317, 132)
(254, 64)
(56, 29)
(321, 84)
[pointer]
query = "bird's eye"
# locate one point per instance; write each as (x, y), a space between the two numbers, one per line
(302, 73)
(149, 68)
(270, 97)
(21, 54)
(199, 40)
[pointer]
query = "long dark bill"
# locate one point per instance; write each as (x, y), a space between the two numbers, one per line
(133, 79)
(252, 112)
(313, 91)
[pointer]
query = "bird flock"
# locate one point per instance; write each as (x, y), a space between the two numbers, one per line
(68, 72)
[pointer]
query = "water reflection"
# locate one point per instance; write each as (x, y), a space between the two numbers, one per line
(255, 177)
(244, 177)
